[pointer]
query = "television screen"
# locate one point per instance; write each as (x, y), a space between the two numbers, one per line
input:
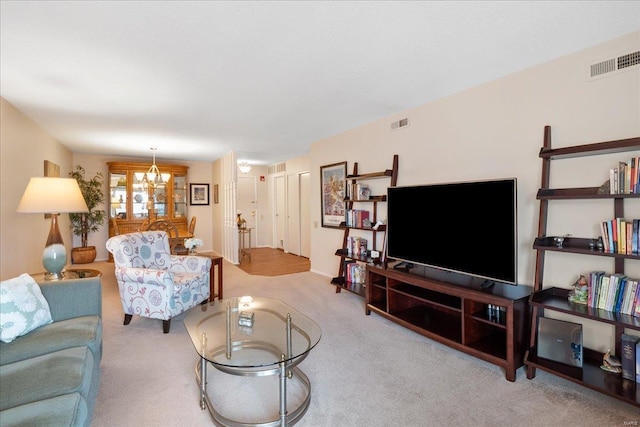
(464, 227)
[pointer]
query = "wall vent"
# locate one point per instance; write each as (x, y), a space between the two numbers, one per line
(277, 168)
(399, 124)
(613, 65)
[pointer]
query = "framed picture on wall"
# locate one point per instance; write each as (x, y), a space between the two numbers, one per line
(199, 194)
(333, 182)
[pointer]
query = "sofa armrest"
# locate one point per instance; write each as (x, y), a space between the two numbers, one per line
(73, 298)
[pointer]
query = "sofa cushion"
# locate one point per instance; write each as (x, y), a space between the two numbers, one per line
(22, 307)
(76, 332)
(68, 410)
(43, 377)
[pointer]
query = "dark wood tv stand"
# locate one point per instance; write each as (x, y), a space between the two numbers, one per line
(454, 310)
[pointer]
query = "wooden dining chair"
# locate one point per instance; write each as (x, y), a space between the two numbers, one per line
(116, 229)
(192, 226)
(145, 225)
(171, 230)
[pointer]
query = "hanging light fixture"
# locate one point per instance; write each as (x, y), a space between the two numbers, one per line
(244, 167)
(153, 178)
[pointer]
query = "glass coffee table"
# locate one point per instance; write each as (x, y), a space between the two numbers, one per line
(253, 336)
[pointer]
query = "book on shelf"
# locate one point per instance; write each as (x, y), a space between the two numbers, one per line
(356, 246)
(628, 356)
(625, 179)
(355, 272)
(360, 192)
(613, 292)
(358, 218)
(621, 236)
(638, 362)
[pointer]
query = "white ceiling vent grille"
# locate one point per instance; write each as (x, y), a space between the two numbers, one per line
(277, 168)
(613, 65)
(399, 124)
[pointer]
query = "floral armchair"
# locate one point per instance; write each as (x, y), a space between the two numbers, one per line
(153, 283)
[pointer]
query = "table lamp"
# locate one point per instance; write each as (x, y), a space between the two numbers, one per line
(53, 196)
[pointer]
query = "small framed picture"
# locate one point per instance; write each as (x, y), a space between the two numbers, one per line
(333, 181)
(199, 194)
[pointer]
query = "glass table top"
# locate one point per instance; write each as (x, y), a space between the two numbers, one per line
(250, 332)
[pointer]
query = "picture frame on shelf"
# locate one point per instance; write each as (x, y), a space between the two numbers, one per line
(199, 194)
(333, 186)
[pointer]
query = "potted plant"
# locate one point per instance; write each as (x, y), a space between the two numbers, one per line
(84, 223)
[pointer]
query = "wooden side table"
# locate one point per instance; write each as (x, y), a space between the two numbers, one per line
(216, 260)
(244, 250)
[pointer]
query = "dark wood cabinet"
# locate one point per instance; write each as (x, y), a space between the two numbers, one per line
(490, 324)
(555, 299)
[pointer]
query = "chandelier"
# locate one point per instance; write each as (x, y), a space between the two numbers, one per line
(153, 178)
(244, 167)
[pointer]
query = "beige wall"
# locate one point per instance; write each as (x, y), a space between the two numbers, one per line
(24, 147)
(495, 130)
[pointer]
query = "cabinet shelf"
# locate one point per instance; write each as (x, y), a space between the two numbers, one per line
(557, 299)
(385, 174)
(454, 314)
(371, 199)
(579, 193)
(590, 375)
(551, 298)
(356, 288)
(615, 146)
(576, 246)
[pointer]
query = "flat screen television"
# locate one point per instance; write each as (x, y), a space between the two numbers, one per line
(463, 227)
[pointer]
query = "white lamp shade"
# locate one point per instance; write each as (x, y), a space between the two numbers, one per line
(52, 195)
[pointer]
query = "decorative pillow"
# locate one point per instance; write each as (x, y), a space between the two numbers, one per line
(23, 308)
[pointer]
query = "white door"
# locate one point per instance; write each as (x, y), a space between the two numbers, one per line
(247, 202)
(280, 212)
(293, 215)
(305, 214)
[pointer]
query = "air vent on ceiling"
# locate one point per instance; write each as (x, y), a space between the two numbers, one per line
(277, 168)
(399, 124)
(613, 65)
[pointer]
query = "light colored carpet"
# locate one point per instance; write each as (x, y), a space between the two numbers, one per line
(366, 371)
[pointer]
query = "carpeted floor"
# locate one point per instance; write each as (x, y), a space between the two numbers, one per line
(365, 371)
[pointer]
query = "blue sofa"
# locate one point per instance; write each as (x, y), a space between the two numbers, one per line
(50, 376)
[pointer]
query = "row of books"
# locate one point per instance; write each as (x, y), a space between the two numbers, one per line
(625, 179)
(355, 272)
(621, 236)
(358, 218)
(356, 246)
(358, 192)
(615, 292)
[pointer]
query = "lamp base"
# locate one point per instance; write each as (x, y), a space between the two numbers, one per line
(54, 258)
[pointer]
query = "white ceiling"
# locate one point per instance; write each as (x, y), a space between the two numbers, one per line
(266, 79)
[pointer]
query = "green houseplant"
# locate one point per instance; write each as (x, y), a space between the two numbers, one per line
(84, 223)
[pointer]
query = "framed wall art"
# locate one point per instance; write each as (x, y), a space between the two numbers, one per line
(333, 182)
(199, 194)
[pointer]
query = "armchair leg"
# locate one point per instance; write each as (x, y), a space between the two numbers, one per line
(166, 324)
(127, 319)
